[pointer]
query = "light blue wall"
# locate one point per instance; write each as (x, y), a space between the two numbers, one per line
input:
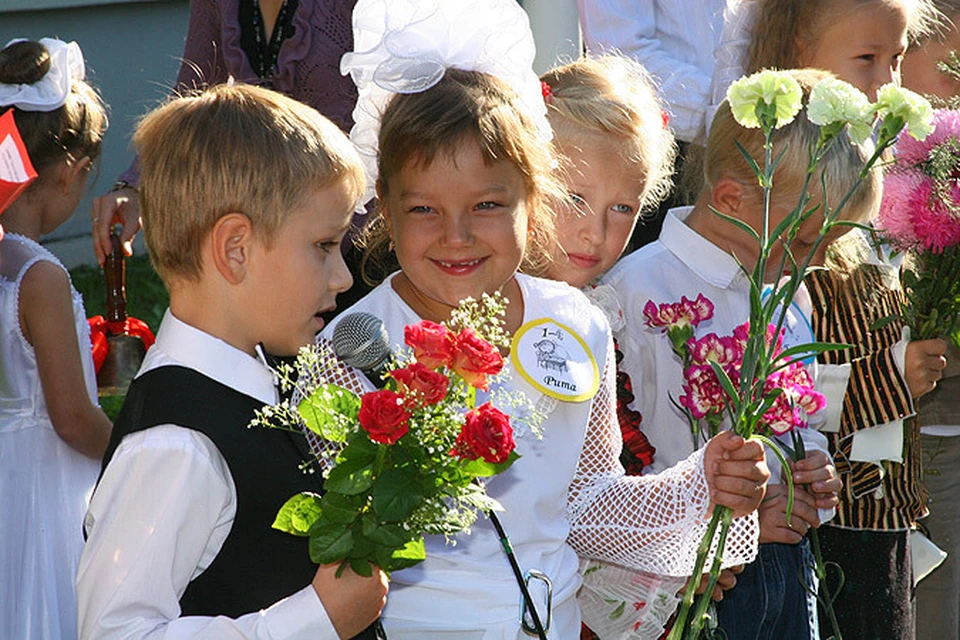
(132, 51)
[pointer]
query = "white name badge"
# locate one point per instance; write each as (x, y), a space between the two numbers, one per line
(555, 360)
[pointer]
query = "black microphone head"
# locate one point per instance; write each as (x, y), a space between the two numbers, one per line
(361, 341)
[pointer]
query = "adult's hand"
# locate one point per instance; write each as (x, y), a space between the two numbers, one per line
(118, 206)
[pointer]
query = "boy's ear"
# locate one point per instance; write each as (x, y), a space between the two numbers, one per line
(727, 196)
(231, 243)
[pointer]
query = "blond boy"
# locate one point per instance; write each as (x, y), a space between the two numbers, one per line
(246, 195)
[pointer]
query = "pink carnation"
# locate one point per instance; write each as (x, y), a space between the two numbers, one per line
(678, 314)
(798, 400)
(703, 395)
(712, 348)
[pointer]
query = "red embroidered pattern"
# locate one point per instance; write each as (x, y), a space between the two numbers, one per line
(637, 451)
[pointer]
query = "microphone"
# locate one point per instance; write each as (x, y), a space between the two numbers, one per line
(360, 340)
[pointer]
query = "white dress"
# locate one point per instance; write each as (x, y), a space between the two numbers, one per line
(44, 484)
(566, 496)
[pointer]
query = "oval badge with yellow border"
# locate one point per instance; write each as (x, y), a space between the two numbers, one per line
(555, 360)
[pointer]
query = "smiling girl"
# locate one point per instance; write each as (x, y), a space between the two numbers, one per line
(464, 184)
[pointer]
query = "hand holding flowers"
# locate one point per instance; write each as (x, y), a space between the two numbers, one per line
(748, 379)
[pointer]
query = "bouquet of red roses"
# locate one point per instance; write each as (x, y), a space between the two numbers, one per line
(405, 459)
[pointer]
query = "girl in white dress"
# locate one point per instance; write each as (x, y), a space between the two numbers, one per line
(464, 180)
(52, 432)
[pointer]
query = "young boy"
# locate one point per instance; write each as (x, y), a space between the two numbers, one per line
(697, 252)
(246, 195)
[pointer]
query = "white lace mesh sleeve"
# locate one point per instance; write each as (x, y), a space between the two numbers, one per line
(652, 523)
(649, 523)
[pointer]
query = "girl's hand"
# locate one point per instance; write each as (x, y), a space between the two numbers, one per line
(924, 365)
(817, 473)
(736, 471)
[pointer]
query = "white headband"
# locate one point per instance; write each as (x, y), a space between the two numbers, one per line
(405, 46)
(51, 91)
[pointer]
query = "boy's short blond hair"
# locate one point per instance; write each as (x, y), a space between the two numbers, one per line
(614, 96)
(839, 169)
(231, 149)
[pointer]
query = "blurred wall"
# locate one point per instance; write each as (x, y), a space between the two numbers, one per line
(132, 52)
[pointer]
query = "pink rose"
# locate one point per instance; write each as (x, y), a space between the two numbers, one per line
(486, 434)
(433, 344)
(421, 385)
(383, 416)
(475, 359)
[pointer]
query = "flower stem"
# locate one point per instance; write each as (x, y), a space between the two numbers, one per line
(700, 614)
(823, 589)
(679, 625)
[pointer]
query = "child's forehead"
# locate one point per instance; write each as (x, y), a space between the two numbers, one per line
(466, 156)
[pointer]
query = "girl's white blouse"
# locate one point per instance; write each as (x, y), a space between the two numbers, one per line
(566, 496)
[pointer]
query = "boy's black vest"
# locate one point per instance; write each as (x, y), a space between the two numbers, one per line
(257, 565)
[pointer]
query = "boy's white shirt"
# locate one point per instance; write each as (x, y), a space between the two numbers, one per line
(680, 263)
(161, 514)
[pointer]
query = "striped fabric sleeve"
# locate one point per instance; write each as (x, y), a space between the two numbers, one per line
(876, 394)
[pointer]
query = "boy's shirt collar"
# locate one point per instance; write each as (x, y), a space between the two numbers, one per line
(707, 260)
(188, 346)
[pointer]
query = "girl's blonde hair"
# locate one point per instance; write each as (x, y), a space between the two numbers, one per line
(839, 170)
(464, 105)
(73, 131)
(613, 95)
(782, 25)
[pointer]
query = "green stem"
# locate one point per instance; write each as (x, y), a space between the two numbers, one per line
(823, 589)
(690, 593)
(699, 615)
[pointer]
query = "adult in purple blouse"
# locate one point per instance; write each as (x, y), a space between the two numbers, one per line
(291, 46)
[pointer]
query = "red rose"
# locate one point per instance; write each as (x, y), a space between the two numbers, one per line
(383, 416)
(421, 385)
(476, 359)
(486, 434)
(433, 344)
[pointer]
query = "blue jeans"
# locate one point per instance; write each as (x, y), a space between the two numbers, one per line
(769, 602)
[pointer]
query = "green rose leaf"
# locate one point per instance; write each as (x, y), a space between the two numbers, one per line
(396, 495)
(339, 509)
(298, 514)
(480, 468)
(387, 535)
(350, 477)
(412, 553)
(361, 567)
(328, 410)
(330, 543)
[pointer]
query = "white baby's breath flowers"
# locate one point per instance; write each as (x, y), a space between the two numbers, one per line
(765, 100)
(835, 103)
